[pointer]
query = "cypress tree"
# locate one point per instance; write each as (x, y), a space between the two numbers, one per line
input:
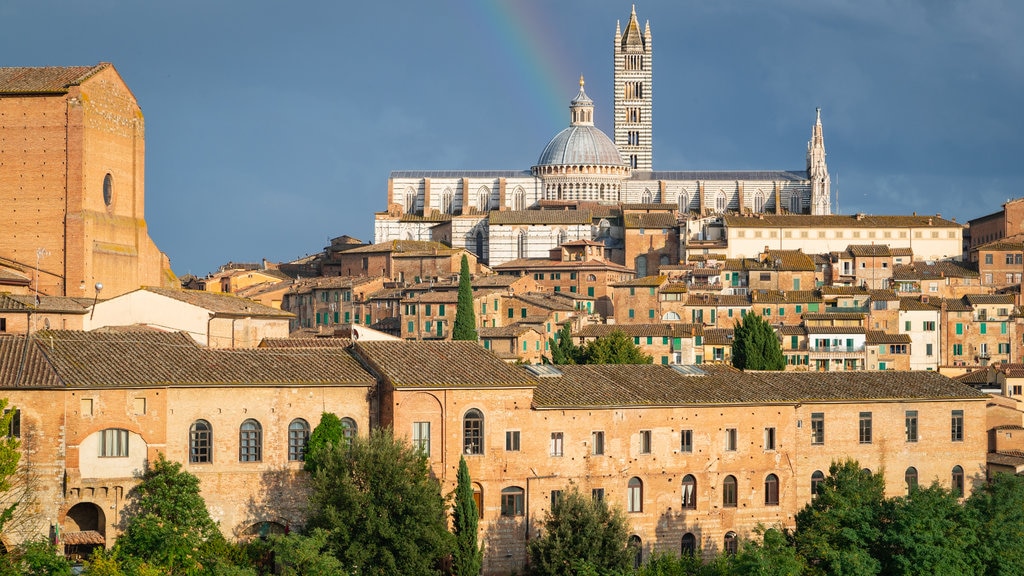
(465, 317)
(755, 345)
(467, 558)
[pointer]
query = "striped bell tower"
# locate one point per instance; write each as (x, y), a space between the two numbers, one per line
(633, 93)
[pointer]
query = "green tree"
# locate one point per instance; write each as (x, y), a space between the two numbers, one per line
(755, 345)
(465, 316)
(563, 351)
(381, 506)
(615, 348)
(997, 511)
(167, 523)
(329, 432)
(581, 535)
(928, 532)
(772, 556)
(298, 555)
(837, 533)
(35, 558)
(10, 455)
(467, 557)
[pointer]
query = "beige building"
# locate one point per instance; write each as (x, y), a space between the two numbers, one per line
(72, 191)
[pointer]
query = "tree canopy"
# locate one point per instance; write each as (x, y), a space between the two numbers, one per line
(10, 455)
(755, 345)
(381, 507)
(581, 535)
(613, 348)
(329, 432)
(465, 316)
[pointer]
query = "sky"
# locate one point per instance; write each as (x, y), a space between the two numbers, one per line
(272, 126)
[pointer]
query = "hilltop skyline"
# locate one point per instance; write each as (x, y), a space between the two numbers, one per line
(271, 130)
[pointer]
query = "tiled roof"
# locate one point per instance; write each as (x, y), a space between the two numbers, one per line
(653, 220)
(879, 337)
(1002, 246)
(46, 304)
(442, 297)
(783, 297)
(10, 276)
(554, 301)
(401, 246)
(976, 299)
(837, 221)
(901, 251)
(657, 385)
(835, 329)
(730, 176)
(114, 359)
(986, 375)
(308, 285)
(674, 288)
(219, 303)
(883, 295)
(869, 250)
(413, 364)
(956, 305)
(509, 217)
(929, 270)
(433, 216)
(44, 80)
(641, 330)
(718, 336)
(1012, 458)
(843, 291)
(306, 342)
(833, 316)
(529, 264)
(788, 260)
(21, 368)
(910, 303)
(652, 206)
(510, 331)
(787, 330)
(649, 281)
(695, 299)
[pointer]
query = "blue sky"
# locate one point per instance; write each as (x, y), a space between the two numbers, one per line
(272, 126)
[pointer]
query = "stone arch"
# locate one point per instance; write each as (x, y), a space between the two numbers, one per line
(83, 530)
(264, 529)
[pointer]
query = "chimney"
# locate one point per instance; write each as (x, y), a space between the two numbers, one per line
(860, 216)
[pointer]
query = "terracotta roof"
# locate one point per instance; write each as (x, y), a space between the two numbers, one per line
(656, 385)
(695, 299)
(419, 364)
(883, 295)
(651, 206)
(653, 220)
(843, 291)
(441, 297)
(306, 342)
(433, 216)
(510, 331)
(868, 250)
(835, 329)
(901, 251)
(641, 330)
(879, 337)
(833, 315)
(45, 80)
(554, 301)
(976, 299)
(1012, 458)
(955, 305)
(401, 246)
(986, 375)
(508, 217)
(24, 368)
(787, 330)
(11, 276)
(718, 336)
(674, 288)
(46, 304)
(219, 303)
(837, 221)
(308, 285)
(81, 538)
(910, 303)
(117, 359)
(784, 297)
(648, 281)
(1002, 245)
(530, 264)
(929, 270)
(789, 260)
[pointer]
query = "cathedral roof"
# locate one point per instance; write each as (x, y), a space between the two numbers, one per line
(580, 145)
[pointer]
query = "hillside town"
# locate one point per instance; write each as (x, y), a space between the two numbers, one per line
(903, 334)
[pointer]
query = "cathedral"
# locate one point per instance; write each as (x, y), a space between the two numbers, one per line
(584, 182)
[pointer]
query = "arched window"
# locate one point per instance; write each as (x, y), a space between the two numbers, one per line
(646, 197)
(732, 543)
(591, 277)
(480, 244)
(689, 489)
(446, 202)
(513, 500)
(911, 479)
(298, 435)
(484, 199)
(866, 472)
(671, 317)
(521, 247)
(794, 203)
(663, 260)
(635, 495)
(113, 443)
(349, 429)
(478, 499)
(603, 228)
(410, 200)
(562, 237)
(689, 547)
(473, 432)
(720, 201)
(519, 199)
(816, 479)
(250, 441)
(771, 490)
(641, 266)
(684, 202)
(637, 546)
(200, 442)
(759, 201)
(729, 492)
(958, 481)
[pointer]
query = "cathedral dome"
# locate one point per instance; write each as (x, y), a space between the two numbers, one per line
(580, 145)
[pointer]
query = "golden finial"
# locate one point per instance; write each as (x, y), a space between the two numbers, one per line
(581, 80)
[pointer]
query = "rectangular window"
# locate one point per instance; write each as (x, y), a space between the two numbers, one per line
(957, 426)
(512, 500)
(421, 436)
(982, 328)
(928, 350)
(631, 313)
(86, 406)
(911, 425)
(958, 349)
(522, 312)
(906, 326)
(557, 439)
(929, 326)
(114, 443)
(556, 495)
(817, 428)
(730, 439)
(14, 427)
(769, 438)
(512, 440)
(865, 428)
(686, 440)
(597, 494)
(140, 406)
(645, 441)
(597, 442)
(959, 328)
(511, 313)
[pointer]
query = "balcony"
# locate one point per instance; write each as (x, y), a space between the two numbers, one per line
(835, 352)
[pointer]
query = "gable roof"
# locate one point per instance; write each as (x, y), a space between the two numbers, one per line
(46, 79)
(218, 302)
(440, 364)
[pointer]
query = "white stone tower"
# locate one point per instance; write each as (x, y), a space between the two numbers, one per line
(817, 171)
(633, 94)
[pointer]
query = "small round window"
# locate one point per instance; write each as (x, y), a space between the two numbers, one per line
(108, 189)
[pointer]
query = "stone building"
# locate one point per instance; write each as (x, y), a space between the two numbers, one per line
(72, 192)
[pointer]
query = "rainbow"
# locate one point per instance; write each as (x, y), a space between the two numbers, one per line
(527, 43)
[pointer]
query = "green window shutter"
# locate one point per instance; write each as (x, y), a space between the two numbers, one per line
(983, 328)
(794, 342)
(336, 315)
(487, 344)
(522, 312)
(367, 319)
(631, 313)
(959, 328)
(590, 290)
(712, 315)
(440, 309)
(411, 328)
(664, 359)
(812, 307)
(906, 326)
(699, 360)
(1002, 328)
(427, 312)
(782, 311)
(511, 314)
(632, 291)
(677, 343)
(799, 308)
(650, 314)
(347, 314)
(649, 340)
(664, 340)
(652, 291)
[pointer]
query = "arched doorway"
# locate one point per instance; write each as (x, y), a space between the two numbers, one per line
(83, 530)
